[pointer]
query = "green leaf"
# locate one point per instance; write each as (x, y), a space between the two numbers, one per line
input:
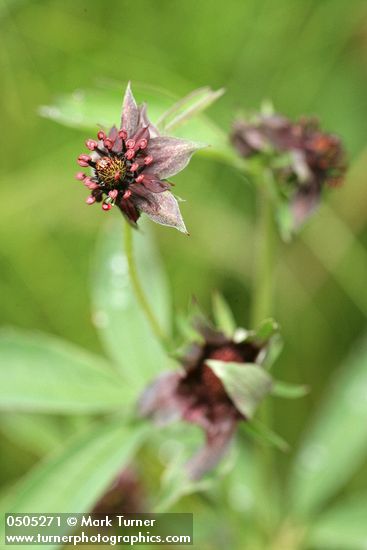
(187, 107)
(341, 527)
(264, 435)
(39, 373)
(122, 325)
(246, 384)
(267, 329)
(223, 316)
(73, 479)
(289, 391)
(39, 433)
(85, 109)
(336, 444)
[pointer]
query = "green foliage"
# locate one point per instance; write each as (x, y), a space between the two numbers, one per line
(307, 57)
(117, 316)
(336, 444)
(42, 374)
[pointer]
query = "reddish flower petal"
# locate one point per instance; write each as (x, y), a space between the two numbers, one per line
(218, 438)
(144, 121)
(304, 203)
(162, 208)
(170, 155)
(130, 113)
(161, 401)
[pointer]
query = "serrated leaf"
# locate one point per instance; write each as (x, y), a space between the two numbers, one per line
(246, 384)
(336, 443)
(223, 316)
(39, 373)
(117, 315)
(342, 527)
(289, 391)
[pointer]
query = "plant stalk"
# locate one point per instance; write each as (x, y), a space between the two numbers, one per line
(137, 286)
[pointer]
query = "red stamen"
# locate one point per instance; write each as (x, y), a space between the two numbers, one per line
(130, 154)
(91, 144)
(123, 134)
(80, 176)
(108, 143)
(90, 200)
(143, 143)
(134, 167)
(140, 178)
(117, 176)
(84, 160)
(106, 206)
(101, 135)
(130, 143)
(93, 185)
(127, 194)
(113, 194)
(148, 160)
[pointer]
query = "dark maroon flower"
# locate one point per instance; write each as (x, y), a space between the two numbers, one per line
(221, 383)
(125, 495)
(302, 157)
(130, 167)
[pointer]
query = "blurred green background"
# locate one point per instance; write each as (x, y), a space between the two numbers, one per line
(307, 57)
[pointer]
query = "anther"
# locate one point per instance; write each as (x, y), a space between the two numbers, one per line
(101, 135)
(148, 160)
(90, 200)
(130, 143)
(143, 143)
(80, 176)
(130, 154)
(108, 143)
(106, 206)
(127, 194)
(91, 144)
(140, 178)
(113, 194)
(84, 160)
(134, 167)
(117, 176)
(123, 134)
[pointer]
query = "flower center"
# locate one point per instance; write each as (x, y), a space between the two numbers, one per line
(110, 170)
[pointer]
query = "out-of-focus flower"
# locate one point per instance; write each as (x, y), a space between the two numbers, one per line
(130, 167)
(221, 383)
(302, 157)
(124, 496)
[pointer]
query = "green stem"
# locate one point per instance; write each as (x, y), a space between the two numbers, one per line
(263, 275)
(262, 308)
(136, 284)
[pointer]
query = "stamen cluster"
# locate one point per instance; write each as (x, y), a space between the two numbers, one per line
(118, 165)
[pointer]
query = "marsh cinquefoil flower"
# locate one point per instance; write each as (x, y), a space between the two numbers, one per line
(221, 383)
(302, 157)
(130, 167)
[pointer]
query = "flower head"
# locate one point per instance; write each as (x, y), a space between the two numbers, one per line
(302, 157)
(221, 383)
(130, 167)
